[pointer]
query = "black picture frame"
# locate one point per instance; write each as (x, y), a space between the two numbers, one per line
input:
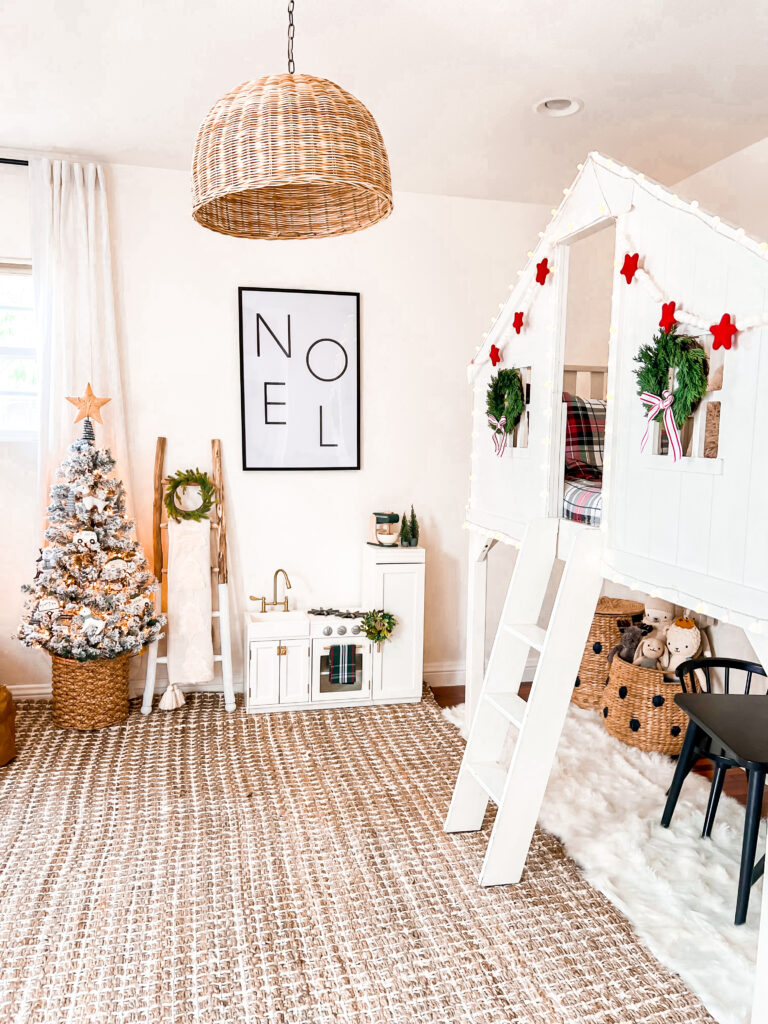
(355, 464)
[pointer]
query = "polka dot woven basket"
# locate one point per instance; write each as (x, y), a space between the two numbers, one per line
(604, 634)
(639, 708)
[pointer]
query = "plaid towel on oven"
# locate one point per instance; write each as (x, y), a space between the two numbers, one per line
(583, 501)
(584, 437)
(341, 664)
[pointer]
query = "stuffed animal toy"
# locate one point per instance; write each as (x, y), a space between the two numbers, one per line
(631, 636)
(683, 642)
(649, 651)
(659, 615)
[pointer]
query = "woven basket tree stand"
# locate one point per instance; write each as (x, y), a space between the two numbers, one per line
(90, 694)
(603, 635)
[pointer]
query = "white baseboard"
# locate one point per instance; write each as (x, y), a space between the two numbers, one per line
(30, 691)
(453, 673)
(445, 673)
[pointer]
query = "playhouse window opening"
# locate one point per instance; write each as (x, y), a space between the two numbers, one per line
(700, 434)
(519, 436)
(585, 372)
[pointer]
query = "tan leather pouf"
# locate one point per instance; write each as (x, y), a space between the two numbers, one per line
(7, 726)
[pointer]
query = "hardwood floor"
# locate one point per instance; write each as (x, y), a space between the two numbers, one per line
(735, 780)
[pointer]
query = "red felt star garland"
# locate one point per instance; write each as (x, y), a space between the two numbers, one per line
(667, 321)
(517, 323)
(542, 269)
(630, 266)
(495, 355)
(723, 332)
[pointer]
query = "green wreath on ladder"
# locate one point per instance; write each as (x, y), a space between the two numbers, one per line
(505, 403)
(189, 478)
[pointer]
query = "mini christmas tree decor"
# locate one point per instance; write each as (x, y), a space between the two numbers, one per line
(414, 524)
(92, 596)
(405, 531)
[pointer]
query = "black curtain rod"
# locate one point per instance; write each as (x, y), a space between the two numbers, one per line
(14, 163)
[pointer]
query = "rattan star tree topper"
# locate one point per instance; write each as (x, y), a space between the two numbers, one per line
(92, 597)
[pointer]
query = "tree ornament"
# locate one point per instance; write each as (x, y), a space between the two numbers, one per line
(88, 406)
(667, 321)
(189, 478)
(656, 362)
(114, 569)
(723, 332)
(85, 539)
(542, 269)
(517, 323)
(505, 402)
(630, 266)
(495, 355)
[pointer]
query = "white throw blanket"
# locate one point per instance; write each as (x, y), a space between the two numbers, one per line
(190, 643)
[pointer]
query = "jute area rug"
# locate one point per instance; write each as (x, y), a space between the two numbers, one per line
(198, 866)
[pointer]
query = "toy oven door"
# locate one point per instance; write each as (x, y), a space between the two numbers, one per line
(341, 668)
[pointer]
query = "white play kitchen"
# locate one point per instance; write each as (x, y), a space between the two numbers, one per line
(320, 658)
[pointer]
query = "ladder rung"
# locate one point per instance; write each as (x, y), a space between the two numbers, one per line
(491, 777)
(217, 657)
(510, 705)
(162, 661)
(528, 633)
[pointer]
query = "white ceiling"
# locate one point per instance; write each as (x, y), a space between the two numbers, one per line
(669, 86)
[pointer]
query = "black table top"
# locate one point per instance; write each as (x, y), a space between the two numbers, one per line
(737, 721)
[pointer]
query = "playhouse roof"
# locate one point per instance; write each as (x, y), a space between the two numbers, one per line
(611, 185)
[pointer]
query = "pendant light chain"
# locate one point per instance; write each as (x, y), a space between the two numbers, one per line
(291, 33)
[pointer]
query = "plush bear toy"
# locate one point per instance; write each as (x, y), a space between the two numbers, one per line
(631, 636)
(683, 642)
(649, 651)
(659, 615)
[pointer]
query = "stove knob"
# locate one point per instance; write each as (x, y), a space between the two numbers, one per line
(327, 630)
(355, 630)
(341, 630)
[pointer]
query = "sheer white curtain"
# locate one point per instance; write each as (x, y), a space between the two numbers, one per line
(75, 309)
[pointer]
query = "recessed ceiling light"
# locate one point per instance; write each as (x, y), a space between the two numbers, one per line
(558, 106)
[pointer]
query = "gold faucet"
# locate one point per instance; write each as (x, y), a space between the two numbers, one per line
(274, 602)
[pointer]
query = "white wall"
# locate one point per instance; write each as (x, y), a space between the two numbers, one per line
(429, 277)
(734, 188)
(588, 313)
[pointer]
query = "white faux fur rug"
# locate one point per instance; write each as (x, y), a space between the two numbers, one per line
(604, 802)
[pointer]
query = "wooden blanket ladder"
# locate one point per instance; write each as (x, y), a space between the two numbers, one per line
(218, 569)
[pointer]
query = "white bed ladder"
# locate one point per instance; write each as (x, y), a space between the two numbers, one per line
(519, 790)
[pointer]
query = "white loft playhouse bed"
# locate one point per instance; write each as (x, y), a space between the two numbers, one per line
(691, 530)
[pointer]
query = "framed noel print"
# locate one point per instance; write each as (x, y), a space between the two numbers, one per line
(300, 378)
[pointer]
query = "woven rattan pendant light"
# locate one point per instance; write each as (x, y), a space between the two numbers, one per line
(289, 156)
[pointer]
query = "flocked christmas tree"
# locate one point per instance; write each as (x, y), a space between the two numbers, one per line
(92, 595)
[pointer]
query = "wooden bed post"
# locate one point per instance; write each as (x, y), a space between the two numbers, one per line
(479, 546)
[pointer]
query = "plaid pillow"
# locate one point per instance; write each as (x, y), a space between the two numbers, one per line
(584, 437)
(583, 501)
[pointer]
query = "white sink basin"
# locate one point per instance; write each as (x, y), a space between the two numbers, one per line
(278, 625)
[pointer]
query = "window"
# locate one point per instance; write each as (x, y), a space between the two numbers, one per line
(19, 389)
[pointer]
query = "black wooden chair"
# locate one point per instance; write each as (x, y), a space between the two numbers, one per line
(731, 730)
